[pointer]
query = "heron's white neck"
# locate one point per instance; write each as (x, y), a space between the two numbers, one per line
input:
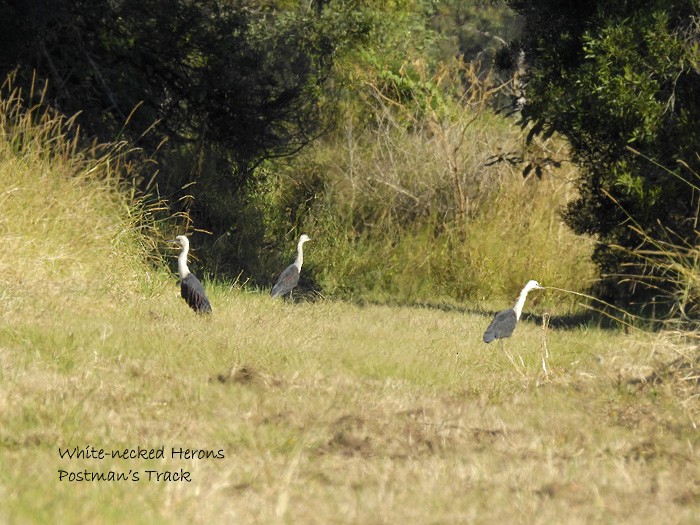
(518, 308)
(182, 268)
(300, 256)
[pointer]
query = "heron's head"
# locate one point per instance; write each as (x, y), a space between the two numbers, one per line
(304, 238)
(182, 240)
(533, 285)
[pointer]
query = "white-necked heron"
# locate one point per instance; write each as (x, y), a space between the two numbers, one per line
(191, 289)
(290, 276)
(504, 322)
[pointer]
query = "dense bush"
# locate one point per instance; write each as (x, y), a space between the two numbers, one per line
(621, 81)
(406, 203)
(401, 193)
(209, 89)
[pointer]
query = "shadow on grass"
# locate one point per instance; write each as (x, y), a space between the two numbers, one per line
(569, 321)
(607, 319)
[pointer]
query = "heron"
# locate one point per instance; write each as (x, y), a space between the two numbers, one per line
(504, 322)
(191, 289)
(289, 278)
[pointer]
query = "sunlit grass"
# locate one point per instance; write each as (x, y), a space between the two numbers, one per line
(329, 411)
(69, 229)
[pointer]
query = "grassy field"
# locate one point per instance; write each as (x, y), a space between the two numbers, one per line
(315, 412)
(333, 413)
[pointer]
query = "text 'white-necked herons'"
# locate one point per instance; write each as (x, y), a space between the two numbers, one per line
(504, 322)
(191, 289)
(290, 276)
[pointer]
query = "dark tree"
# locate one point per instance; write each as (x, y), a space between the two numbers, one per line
(620, 79)
(209, 70)
(210, 88)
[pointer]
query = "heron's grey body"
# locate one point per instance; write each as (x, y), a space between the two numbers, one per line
(289, 278)
(191, 289)
(501, 326)
(504, 322)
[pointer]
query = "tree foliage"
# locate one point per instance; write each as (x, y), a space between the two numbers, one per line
(621, 81)
(208, 71)
(210, 88)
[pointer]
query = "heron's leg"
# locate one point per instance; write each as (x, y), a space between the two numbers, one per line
(512, 360)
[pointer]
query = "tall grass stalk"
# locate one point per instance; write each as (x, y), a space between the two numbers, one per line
(73, 225)
(667, 264)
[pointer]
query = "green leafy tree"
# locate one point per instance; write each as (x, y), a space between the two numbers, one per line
(210, 88)
(620, 80)
(208, 71)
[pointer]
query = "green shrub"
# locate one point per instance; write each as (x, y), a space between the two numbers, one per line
(608, 75)
(420, 212)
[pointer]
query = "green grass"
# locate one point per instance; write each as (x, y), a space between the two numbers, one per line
(330, 412)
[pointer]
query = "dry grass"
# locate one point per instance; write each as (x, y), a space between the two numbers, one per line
(432, 186)
(331, 413)
(446, 220)
(69, 230)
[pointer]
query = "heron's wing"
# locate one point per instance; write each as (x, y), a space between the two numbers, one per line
(192, 292)
(501, 326)
(286, 282)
